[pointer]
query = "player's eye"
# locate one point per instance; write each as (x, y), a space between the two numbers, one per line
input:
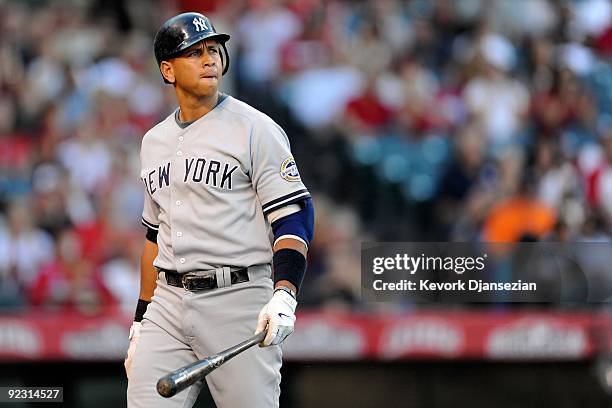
(194, 53)
(214, 50)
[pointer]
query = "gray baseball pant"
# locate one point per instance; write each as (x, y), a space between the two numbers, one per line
(181, 327)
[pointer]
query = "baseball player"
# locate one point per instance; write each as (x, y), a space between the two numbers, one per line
(223, 204)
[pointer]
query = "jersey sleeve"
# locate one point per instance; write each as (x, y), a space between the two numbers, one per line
(275, 177)
(150, 212)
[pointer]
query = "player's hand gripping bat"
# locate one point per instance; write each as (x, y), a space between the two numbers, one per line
(182, 378)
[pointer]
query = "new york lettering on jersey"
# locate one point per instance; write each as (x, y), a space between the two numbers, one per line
(195, 168)
(211, 172)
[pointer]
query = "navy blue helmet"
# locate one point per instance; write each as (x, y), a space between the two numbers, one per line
(181, 32)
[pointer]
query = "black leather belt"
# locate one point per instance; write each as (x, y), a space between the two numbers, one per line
(202, 280)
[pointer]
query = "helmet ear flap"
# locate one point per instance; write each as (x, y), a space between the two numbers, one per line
(225, 59)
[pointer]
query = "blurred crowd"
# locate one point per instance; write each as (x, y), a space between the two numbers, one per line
(461, 120)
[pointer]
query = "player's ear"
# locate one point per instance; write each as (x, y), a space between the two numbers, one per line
(167, 71)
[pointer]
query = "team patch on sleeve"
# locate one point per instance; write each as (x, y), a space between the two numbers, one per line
(289, 170)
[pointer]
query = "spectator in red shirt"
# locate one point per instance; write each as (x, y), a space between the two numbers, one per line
(366, 114)
(70, 281)
(564, 103)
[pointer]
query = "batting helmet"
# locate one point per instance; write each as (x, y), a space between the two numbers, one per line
(183, 31)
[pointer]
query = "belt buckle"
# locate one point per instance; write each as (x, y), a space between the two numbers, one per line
(185, 280)
(188, 280)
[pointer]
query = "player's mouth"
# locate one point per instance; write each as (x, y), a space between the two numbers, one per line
(209, 75)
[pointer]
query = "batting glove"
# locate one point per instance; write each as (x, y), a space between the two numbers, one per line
(278, 315)
(134, 336)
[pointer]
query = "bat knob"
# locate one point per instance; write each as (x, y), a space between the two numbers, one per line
(166, 387)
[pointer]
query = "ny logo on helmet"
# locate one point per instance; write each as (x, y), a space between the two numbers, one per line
(200, 24)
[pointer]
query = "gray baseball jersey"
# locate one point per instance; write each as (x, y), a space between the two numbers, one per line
(210, 185)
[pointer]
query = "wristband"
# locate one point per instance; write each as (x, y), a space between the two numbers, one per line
(141, 308)
(289, 265)
(151, 235)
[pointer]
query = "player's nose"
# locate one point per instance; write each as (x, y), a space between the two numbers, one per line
(207, 59)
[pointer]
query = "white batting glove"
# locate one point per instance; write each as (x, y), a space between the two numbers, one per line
(278, 315)
(134, 336)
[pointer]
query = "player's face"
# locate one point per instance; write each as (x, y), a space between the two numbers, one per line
(198, 70)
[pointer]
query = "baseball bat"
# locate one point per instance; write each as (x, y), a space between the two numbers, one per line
(177, 381)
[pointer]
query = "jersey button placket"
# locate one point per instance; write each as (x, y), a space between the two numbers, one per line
(176, 217)
(178, 233)
(181, 139)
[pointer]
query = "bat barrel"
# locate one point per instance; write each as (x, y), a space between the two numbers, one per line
(182, 378)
